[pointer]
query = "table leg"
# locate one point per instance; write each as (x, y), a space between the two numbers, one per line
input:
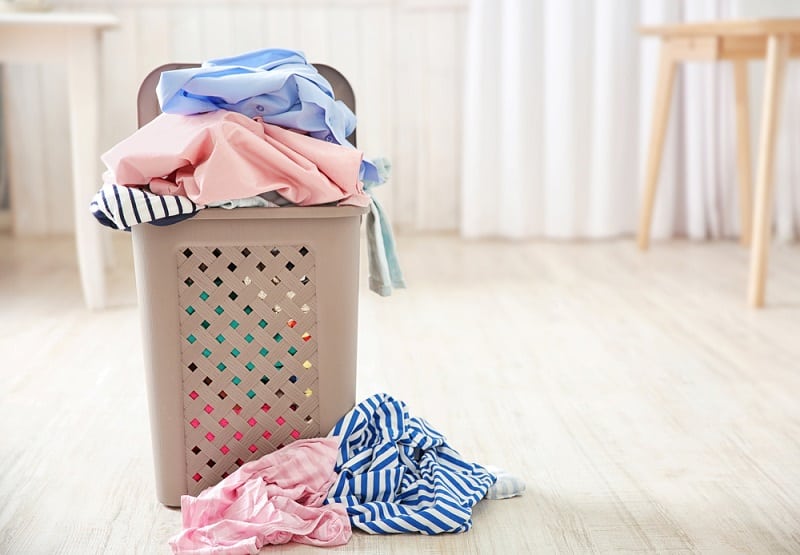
(777, 55)
(83, 107)
(661, 106)
(743, 163)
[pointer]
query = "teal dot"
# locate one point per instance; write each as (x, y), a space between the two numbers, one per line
(191, 339)
(234, 324)
(278, 365)
(292, 351)
(248, 338)
(236, 380)
(263, 352)
(277, 337)
(263, 324)
(251, 393)
(235, 352)
(204, 296)
(250, 366)
(221, 367)
(219, 310)
(205, 324)
(206, 353)
(190, 310)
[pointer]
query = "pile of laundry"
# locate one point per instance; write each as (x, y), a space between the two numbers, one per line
(379, 470)
(261, 129)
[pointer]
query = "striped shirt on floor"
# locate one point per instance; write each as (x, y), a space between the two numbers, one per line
(121, 207)
(397, 474)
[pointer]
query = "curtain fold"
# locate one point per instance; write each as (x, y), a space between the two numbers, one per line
(557, 112)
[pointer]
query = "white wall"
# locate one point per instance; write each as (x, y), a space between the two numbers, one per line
(403, 57)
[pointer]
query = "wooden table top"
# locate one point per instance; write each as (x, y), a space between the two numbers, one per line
(742, 27)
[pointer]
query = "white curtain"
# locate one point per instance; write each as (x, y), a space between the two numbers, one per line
(557, 106)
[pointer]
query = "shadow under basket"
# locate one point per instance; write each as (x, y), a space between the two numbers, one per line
(249, 335)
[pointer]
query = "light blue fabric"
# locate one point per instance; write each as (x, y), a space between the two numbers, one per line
(384, 267)
(249, 202)
(278, 85)
(397, 474)
(507, 485)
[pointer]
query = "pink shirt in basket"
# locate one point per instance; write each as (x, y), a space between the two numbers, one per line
(224, 155)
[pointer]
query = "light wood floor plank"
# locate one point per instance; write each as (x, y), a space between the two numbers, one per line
(648, 409)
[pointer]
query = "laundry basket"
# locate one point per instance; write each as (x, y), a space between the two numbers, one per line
(249, 321)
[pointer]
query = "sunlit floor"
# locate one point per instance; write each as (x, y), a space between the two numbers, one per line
(647, 408)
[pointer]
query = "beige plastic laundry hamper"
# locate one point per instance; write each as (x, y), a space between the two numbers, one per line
(249, 321)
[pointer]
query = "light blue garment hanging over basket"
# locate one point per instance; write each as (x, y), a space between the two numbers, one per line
(280, 86)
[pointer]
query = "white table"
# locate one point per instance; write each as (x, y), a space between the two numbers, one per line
(72, 39)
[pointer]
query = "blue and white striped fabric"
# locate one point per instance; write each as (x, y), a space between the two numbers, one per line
(121, 207)
(397, 474)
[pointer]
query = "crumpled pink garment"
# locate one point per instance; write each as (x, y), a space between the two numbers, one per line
(274, 500)
(225, 155)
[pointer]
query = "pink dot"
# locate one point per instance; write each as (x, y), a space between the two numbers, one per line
(280, 421)
(193, 395)
(265, 407)
(252, 448)
(224, 449)
(210, 436)
(209, 409)
(295, 434)
(252, 421)
(267, 434)
(223, 422)
(238, 436)
(195, 422)
(197, 477)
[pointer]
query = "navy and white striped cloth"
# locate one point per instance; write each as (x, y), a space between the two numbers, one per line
(397, 474)
(121, 207)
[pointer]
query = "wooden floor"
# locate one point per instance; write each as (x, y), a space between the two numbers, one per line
(648, 409)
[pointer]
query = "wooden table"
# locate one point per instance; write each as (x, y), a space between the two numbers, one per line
(72, 39)
(775, 40)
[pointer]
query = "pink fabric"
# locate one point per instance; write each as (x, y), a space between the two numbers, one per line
(224, 155)
(274, 500)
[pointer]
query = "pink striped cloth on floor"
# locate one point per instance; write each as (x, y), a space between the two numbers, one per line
(274, 500)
